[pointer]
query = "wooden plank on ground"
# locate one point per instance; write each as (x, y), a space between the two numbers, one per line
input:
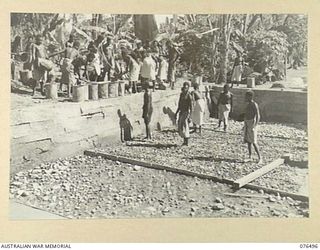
(246, 195)
(295, 196)
(256, 174)
(94, 153)
(300, 164)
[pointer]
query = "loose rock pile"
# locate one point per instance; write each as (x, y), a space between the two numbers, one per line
(85, 187)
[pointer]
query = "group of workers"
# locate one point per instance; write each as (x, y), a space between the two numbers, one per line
(101, 60)
(146, 63)
(191, 107)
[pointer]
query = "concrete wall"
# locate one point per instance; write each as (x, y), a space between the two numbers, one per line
(288, 106)
(57, 129)
(51, 130)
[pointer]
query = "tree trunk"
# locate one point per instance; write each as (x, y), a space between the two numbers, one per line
(213, 55)
(94, 20)
(252, 21)
(36, 20)
(245, 23)
(225, 38)
(213, 45)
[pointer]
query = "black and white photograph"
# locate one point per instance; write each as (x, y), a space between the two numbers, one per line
(158, 116)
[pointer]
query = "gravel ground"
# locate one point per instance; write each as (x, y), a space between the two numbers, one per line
(221, 154)
(92, 187)
(85, 187)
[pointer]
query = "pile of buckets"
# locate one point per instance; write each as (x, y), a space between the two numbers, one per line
(83, 92)
(98, 90)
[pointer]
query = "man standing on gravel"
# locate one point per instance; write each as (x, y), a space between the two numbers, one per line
(251, 120)
(225, 103)
(184, 110)
(147, 110)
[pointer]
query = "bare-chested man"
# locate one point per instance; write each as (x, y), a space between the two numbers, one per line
(67, 68)
(173, 56)
(251, 120)
(41, 64)
(107, 54)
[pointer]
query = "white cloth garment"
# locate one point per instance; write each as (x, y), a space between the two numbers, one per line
(148, 69)
(198, 112)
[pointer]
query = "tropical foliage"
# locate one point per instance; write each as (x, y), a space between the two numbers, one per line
(207, 43)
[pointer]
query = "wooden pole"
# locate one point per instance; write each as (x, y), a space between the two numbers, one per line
(94, 153)
(256, 174)
(246, 195)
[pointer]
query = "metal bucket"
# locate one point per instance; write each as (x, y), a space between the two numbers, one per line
(51, 91)
(113, 89)
(250, 82)
(93, 91)
(103, 90)
(122, 85)
(79, 93)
